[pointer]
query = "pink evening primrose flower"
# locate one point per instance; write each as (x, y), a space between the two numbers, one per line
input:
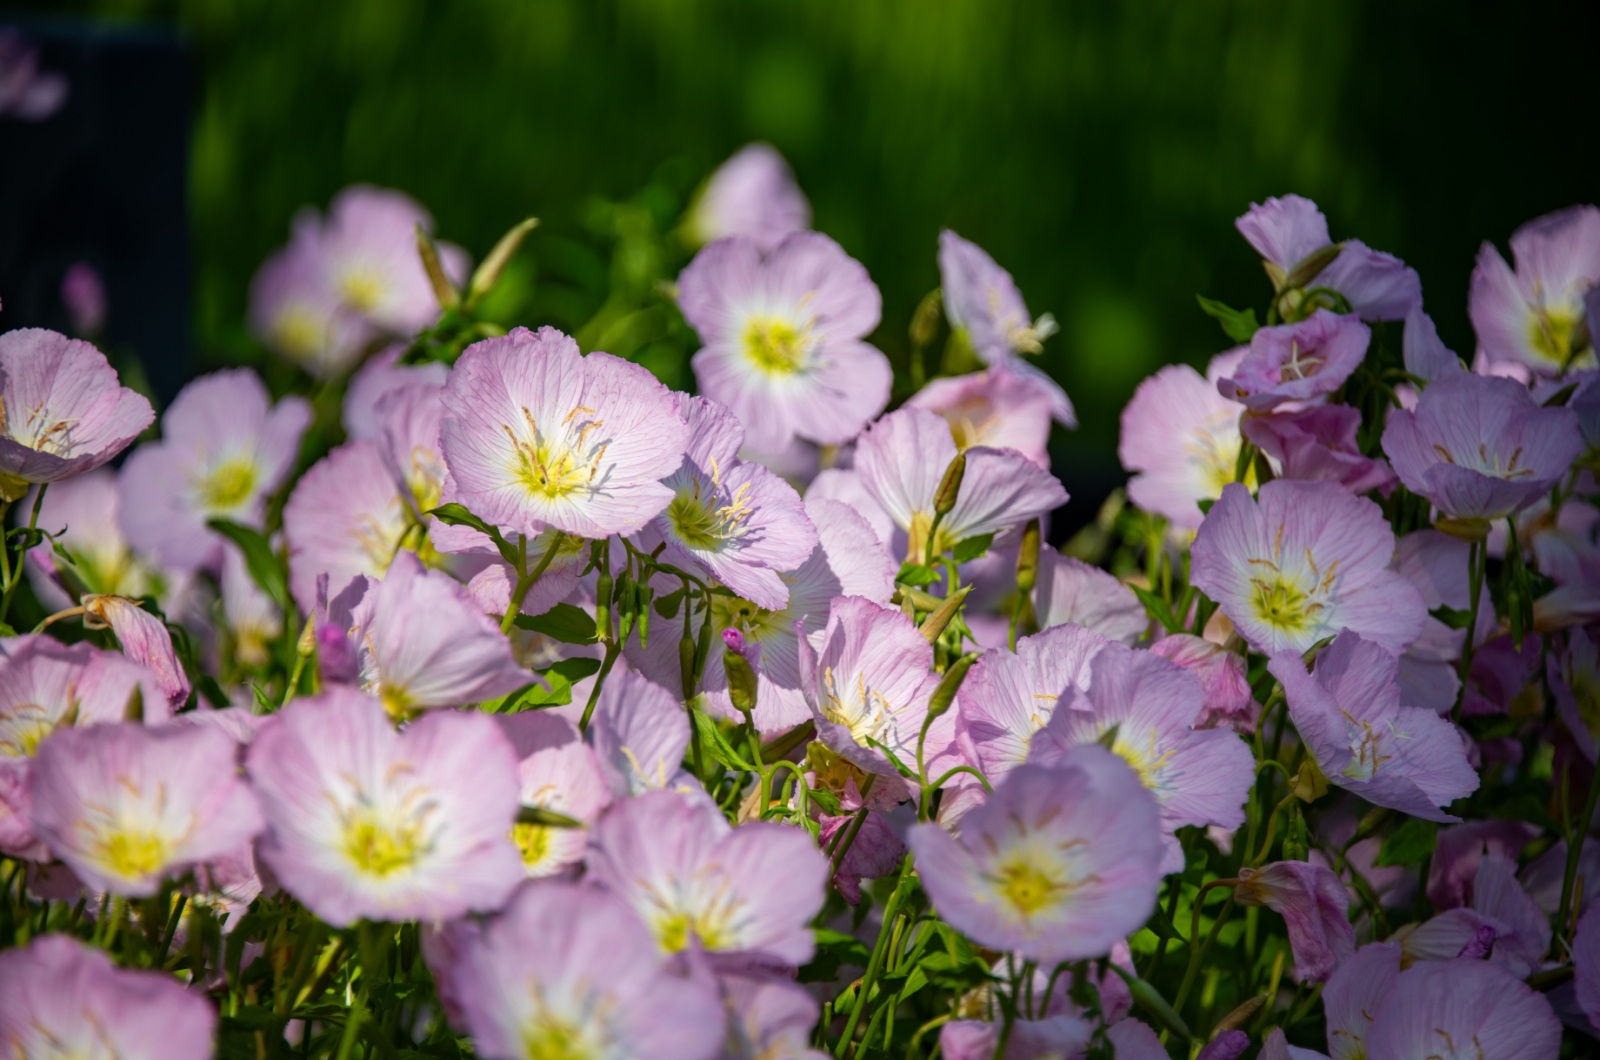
(367, 822)
(639, 733)
(1461, 1010)
(83, 292)
(733, 520)
(902, 460)
(27, 92)
(380, 374)
(298, 316)
(1533, 316)
(127, 806)
(982, 301)
(1041, 1039)
(570, 971)
(997, 409)
(1318, 443)
(1071, 591)
(782, 334)
(58, 997)
(769, 1018)
(1575, 685)
(868, 685)
(46, 685)
(146, 640)
(1480, 447)
(692, 878)
(1297, 362)
(1315, 907)
(848, 561)
(535, 434)
(1180, 440)
(1059, 864)
(422, 643)
(752, 194)
(225, 449)
(62, 410)
(1302, 561)
(1224, 681)
(82, 514)
(1348, 713)
(560, 773)
(1287, 231)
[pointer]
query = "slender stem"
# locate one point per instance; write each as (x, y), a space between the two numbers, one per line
(527, 579)
(13, 577)
(1574, 850)
(1197, 953)
(891, 909)
(1477, 563)
(612, 651)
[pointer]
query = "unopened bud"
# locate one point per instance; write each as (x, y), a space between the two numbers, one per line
(488, 271)
(925, 321)
(742, 684)
(1312, 265)
(686, 660)
(940, 617)
(1470, 529)
(1028, 558)
(306, 645)
(945, 693)
(1310, 784)
(443, 289)
(950, 486)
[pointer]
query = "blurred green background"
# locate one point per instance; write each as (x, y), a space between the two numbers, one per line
(1098, 150)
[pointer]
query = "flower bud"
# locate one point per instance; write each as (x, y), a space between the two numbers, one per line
(949, 685)
(1312, 266)
(443, 289)
(950, 485)
(1028, 558)
(488, 271)
(940, 617)
(742, 684)
(925, 321)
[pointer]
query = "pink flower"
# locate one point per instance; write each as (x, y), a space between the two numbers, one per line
(689, 876)
(126, 806)
(62, 410)
(1301, 562)
(567, 969)
(1533, 316)
(1318, 443)
(26, 92)
(640, 733)
(224, 450)
(1071, 591)
(1297, 362)
(346, 518)
(82, 514)
(1575, 684)
(769, 1019)
(536, 434)
(1059, 864)
(1181, 441)
(902, 460)
(1349, 714)
(752, 194)
(1315, 908)
(997, 409)
(380, 374)
(1029, 1040)
(983, 302)
(1224, 683)
(1459, 850)
(782, 333)
(58, 997)
(1462, 1008)
(559, 772)
(146, 640)
(367, 822)
(83, 292)
(1479, 447)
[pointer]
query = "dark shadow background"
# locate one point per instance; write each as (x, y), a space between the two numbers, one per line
(1098, 150)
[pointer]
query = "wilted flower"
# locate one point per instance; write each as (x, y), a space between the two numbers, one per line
(983, 303)
(536, 434)
(1291, 232)
(752, 194)
(902, 460)
(1318, 443)
(1069, 590)
(146, 640)
(1302, 561)
(1224, 682)
(1058, 864)
(1315, 907)
(1297, 362)
(1349, 714)
(691, 877)
(62, 410)
(568, 970)
(998, 409)
(224, 450)
(60, 998)
(1480, 447)
(1181, 440)
(128, 806)
(782, 334)
(367, 822)
(1535, 316)
(560, 773)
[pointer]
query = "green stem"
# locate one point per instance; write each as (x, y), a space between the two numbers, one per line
(527, 579)
(890, 910)
(1197, 953)
(13, 577)
(1574, 851)
(612, 651)
(1477, 563)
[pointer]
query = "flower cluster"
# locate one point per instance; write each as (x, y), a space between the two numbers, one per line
(519, 706)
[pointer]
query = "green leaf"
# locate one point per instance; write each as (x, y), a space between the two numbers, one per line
(1237, 324)
(970, 548)
(1453, 618)
(1157, 607)
(1409, 844)
(457, 515)
(711, 735)
(900, 767)
(265, 568)
(916, 574)
(567, 623)
(1206, 504)
(555, 691)
(667, 606)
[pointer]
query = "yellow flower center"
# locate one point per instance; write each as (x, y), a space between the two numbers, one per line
(1551, 334)
(381, 848)
(548, 1037)
(1281, 603)
(559, 464)
(228, 484)
(298, 331)
(361, 289)
(1144, 759)
(756, 623)
(673, 929)
(131, 853)
(776, 346)
(534, 842)
(1028, 886)
(700, 522)
(24, 731)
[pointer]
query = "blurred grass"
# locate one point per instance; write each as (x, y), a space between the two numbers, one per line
(1098, 150)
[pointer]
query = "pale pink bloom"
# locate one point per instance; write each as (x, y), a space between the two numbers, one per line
(998, 409)
(1461, 1010)
(346, 518)
(251, 617)
(367, 822)
(1224, 683)
(1521, 929)
(128, 806)
(1315, 908)
(225, 449)
(45, 685)
(27, 92)
(1533, 316)
(536, 434)
(769, 1018)
(752, 194)
(1069, 590)
(902, 460)
(1059, 864)
(876, 850)
(1318, 442)
(1425, 354)
(844, 485)
(694, 879)
(558, 772)
(568, 970)
(421, 643)
(62, 410)
(1301, 562)
(298, 316)
(1041, 1039)
(59, 998)
(640, 733)
(1181, 440)
(1461, 847)
(782, 333)
(1437, 565)
(82, 514)
(1305, 361)
(381, 373)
